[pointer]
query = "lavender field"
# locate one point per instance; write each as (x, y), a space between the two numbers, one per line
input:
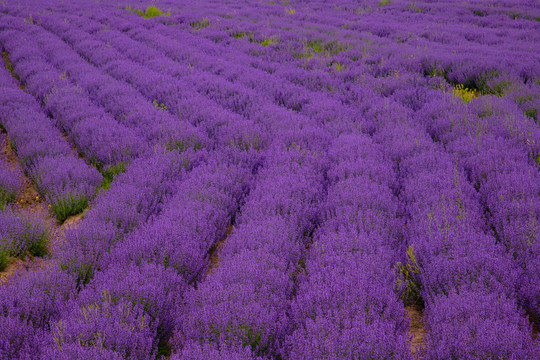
(258, 179)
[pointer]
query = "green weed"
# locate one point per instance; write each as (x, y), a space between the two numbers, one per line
(182, 145)
(159, 106)
(110, 173)
(150, 12)
(4, 259)
(464, 94)
(408, 274)
(68, 205)
(6, 197)
(201, 24)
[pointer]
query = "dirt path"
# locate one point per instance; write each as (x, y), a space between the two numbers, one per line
(216, 249)
(417, 330)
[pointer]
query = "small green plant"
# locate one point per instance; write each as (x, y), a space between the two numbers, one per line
(29, 19)
(159, 106)
(37, 240)
(4, 259)
(383, 3)
(32, 237)
(182, 145)
(246, 143)
(239, 34)
(532, 113)
(464, 94)
(201, 24)
(338, 67)
(6, 197)
(150, 12)
(269, 41)
(68, 205)
(415, 8)
(328, 49)
(110, 173)
(408, 275)
(9, 65)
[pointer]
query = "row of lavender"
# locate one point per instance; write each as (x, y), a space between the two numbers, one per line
(66, 181)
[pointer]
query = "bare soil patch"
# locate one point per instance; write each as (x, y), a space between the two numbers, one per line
(417, 330)
(216, 249)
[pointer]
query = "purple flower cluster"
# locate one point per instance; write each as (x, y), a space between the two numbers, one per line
(281, 179)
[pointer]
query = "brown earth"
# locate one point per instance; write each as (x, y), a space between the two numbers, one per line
(417, 330)
(216, 249)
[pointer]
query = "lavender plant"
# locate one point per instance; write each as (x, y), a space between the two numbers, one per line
(279, 180)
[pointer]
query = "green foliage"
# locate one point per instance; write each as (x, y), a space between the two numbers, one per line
(317, 47)
(269, 41)
(182, 145)
(480, 12)
(532, 113)
(464, 94)
(9, 66)
(415, 8)
(246, 143)
(408, 275)
(4, 260)
(69, 205)
(149, 13)
(83, 271)
(110, 173)
(248, 335)
(239, 34)
(201, 24)
(32, 239)
(37, 240)
(29, 19)
(159, 106)
(6, 197)
(253, 339)
(383, 3)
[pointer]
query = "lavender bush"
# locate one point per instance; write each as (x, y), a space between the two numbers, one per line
(273, 179)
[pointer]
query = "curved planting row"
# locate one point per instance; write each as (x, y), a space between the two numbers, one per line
(65, 181)
(294, 175)
(465, 279)
(127, 106)
(244, 301)
(346, 305)
(499, 159)
(101, 139)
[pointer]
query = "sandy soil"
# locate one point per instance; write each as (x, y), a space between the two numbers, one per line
(215, 250)
(417, 330)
